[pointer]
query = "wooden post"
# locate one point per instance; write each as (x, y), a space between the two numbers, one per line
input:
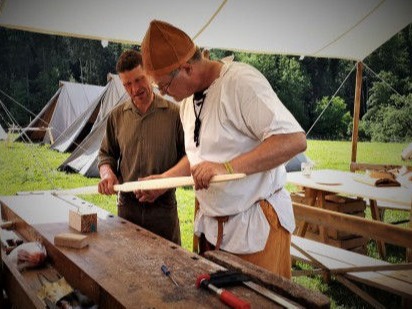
(356, 111)
(50, 135)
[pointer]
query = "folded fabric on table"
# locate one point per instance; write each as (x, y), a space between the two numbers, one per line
(386, 182)
(378, 179)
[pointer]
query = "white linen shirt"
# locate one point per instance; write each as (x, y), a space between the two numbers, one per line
(239, 112)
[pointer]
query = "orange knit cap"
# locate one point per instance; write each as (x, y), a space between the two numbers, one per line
(165, 48)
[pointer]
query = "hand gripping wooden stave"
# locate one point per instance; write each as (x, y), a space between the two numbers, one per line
(151, 184)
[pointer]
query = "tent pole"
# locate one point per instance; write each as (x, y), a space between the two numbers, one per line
(356, 110)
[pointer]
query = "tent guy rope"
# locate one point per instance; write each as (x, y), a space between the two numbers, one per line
(330, 101)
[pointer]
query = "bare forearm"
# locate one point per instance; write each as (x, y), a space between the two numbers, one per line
(182, 168)
(105, 170)
(274, 151)
(108, 179)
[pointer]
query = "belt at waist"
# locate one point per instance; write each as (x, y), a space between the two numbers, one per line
(223, 219)
(220, 221)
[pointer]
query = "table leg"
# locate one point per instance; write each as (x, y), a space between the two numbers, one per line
(376, 216)
(321, 204)
(310, 199)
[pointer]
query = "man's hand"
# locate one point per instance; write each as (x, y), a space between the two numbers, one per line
(203, 172)
(108, 180)
(149, 196)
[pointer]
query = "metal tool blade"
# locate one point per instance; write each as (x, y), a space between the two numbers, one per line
(270, 295)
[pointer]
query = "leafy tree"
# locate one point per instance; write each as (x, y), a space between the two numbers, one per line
(293, 85)
(33, 64)
(216, 54)
(325, 77)
(391, 122)
(379, 95)
(389, 115)
(334, 121)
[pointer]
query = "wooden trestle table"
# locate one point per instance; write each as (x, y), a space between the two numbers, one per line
(323, 182)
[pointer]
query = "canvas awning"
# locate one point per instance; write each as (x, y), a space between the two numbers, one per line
(349, 29)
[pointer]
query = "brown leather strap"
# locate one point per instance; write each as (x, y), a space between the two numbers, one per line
(204, 245)
(220, 221)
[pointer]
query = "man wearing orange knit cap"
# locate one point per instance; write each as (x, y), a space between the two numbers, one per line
(233, 123)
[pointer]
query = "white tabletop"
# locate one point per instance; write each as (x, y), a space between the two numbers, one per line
(343, 183)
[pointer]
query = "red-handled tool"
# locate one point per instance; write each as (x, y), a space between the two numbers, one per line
(225, 296)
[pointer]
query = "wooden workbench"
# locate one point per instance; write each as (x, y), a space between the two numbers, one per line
(121, 266)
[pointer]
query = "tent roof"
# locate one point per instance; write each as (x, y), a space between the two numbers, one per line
(349, 29)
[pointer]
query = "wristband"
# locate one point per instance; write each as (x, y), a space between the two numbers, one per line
(228, 167)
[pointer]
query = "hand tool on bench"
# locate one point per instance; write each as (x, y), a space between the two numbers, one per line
(150, 184)
(225, 296)
(230, 278)
(166, 271)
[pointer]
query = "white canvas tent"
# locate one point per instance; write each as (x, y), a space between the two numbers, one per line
(65, 106)
(84, 158)
(3, 134)
(113, 93)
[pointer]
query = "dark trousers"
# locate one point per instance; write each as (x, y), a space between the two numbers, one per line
(159, 217)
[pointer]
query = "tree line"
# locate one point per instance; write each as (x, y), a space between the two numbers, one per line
(32, 64)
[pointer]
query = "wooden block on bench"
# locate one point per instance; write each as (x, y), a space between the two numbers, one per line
(71, 240)
(83, 222)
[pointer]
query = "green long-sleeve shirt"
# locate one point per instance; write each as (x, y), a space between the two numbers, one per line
(138, 145)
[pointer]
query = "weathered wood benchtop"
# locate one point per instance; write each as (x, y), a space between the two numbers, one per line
(121, 266)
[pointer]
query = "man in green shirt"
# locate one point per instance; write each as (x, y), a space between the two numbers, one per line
(144, 137)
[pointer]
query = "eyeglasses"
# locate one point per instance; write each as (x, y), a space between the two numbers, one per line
(165, 87)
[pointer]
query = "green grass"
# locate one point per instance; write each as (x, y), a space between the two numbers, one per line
(26, 167)
(337, 155)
